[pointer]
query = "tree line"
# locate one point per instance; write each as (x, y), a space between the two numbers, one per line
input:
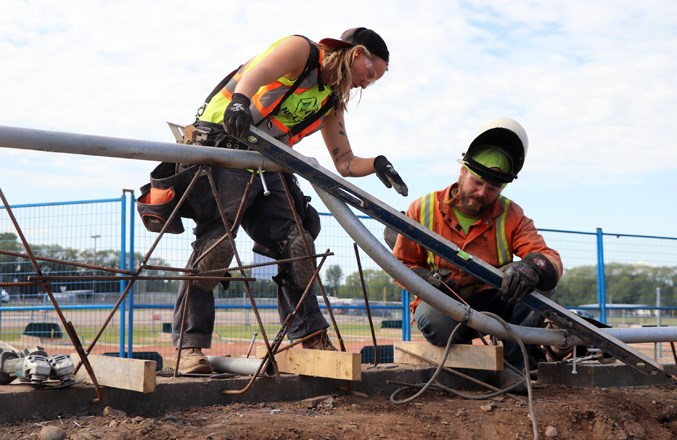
(16, 269)
(625, 283)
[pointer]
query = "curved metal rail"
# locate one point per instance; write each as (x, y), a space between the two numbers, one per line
(92, 145)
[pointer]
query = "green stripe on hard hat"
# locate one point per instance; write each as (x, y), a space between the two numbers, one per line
(504, 136)
(493, 158)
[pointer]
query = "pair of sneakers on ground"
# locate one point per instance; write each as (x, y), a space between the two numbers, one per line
(194, 361)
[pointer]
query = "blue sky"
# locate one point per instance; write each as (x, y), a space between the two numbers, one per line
(593, 83)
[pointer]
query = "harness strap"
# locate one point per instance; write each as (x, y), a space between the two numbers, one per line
(312, 63)
(216, 90)
(222, 84)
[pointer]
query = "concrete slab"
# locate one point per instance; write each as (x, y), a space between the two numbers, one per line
(24, 403)
(20, 403)
(594, 374)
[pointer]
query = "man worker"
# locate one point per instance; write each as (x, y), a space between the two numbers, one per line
(473, 214)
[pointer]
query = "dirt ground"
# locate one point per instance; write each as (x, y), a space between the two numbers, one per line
(560, 412)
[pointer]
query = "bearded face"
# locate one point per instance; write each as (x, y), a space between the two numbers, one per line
(475, 194)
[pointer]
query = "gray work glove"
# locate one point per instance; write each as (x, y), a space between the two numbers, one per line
(438, 279)
(390, 178)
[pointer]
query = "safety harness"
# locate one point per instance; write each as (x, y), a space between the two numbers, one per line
(312, 63)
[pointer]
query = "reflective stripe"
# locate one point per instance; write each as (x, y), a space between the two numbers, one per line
(504, 254)
(427, 220)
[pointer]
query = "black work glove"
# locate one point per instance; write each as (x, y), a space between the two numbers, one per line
(523, 277)
(438, 279)
(390, 178)
(519, 279)
(237, 118)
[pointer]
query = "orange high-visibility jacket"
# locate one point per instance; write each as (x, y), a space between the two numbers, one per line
(502, 232)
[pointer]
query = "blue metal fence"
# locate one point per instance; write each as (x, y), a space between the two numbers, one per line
(107, 233)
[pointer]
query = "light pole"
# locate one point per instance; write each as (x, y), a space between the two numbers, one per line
(95, 237)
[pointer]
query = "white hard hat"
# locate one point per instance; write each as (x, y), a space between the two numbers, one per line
(505, 135)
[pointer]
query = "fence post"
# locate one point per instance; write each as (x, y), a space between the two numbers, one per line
(123, 264)
(659, 346)
(130, 332)
(601, 284)
(406, 327)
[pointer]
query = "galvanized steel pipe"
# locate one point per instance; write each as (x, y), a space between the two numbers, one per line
(240, 366)
(92, 145)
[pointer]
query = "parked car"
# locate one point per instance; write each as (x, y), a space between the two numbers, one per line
(5, 296)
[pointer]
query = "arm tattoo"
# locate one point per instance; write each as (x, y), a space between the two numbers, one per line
(346, 166)
(338, 157)
(342, 130)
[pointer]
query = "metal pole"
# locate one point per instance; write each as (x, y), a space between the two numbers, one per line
(659, 347)
(414, 284)
(406, 316)
(95, 237)
(90, 145)
(601, 285)
(240, 366)
(130, 324)
(123, 265)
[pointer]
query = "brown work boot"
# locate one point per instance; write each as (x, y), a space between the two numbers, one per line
(193, 361)
(319, 342)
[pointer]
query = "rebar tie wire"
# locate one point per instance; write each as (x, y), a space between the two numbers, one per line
(65, 262)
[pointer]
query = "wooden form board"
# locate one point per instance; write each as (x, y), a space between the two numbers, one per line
(318, 363)
(477, 357)
(123, 373)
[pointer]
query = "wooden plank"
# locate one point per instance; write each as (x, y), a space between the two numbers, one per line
(318, 363)
(477, 357)
(123, 373)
